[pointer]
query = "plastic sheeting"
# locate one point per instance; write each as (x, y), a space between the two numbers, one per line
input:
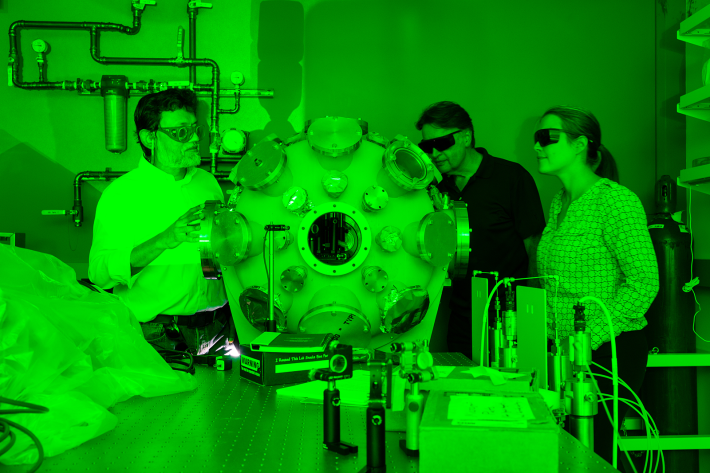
(72, 350)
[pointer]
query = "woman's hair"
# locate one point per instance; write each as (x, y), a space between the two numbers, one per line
(150, 108)
(576, 121)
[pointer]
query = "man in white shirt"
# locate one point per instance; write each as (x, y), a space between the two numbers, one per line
(147, 230)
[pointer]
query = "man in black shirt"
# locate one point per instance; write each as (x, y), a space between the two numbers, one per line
(504, 210)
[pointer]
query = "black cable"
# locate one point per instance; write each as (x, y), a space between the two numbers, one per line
(176, 357)
(5, 425)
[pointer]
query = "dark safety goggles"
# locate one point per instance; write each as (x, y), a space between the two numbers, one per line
(441, 143)
(183, 134)
(545, 137)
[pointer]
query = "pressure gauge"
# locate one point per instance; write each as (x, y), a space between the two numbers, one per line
(237, 78)
(40, 46)
(234, 141)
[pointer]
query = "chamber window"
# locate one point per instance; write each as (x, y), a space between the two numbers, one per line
(408, 163)
(334, 238)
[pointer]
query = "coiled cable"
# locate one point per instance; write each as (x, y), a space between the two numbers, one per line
(5, 425)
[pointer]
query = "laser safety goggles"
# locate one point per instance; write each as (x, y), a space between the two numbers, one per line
(545, 137)
(183, 134)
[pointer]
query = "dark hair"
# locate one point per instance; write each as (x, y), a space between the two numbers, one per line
(150, 107)
(447, 115)
(576, 122)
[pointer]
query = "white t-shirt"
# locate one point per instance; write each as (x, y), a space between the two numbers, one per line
(133, 209)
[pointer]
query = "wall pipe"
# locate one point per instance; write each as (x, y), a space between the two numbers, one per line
(88, 86)
(192, 26)
(78, 209)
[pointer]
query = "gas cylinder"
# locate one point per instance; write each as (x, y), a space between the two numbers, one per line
(670, 394)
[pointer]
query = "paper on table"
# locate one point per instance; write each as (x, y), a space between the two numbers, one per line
(353, 392)
(465, 407)
(496, 376)
(444, 371)
(552, 398)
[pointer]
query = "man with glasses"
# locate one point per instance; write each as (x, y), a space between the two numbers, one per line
(147, 231)
(504, 209)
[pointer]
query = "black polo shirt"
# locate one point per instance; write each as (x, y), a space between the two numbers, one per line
(504, 208)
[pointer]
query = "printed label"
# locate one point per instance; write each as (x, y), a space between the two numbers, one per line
(301, 362)
(301, 357)
(683, 229)
(251, 365)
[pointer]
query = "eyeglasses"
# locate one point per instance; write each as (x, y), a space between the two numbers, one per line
(183, 134)
(441, 143)
(545, 137)
(548, 136)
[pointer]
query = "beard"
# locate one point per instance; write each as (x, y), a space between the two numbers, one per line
(187, 160)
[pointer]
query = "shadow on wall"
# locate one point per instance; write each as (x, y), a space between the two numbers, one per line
(31, 183)
(279, 50)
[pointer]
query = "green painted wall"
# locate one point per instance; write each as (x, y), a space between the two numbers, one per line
(383, 61)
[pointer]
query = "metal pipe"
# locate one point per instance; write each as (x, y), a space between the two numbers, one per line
(87, 86)
(272, 271)
(192, 25)
(105, 176)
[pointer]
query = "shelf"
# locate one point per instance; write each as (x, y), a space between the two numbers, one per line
(696, 30)
(675, 360)
(695, 178)
(665, 442)
(696, 104)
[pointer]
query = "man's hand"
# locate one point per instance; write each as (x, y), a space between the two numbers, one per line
(184, 229)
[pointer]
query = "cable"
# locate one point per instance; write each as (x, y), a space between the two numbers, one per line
(633, 405)
(484, 323)
(175, 357)
(651, 428)
(645, 415)
(488, 303)
(5, 425)
(615, 430)
(689, 286)
(649, 431)
(614, 360)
